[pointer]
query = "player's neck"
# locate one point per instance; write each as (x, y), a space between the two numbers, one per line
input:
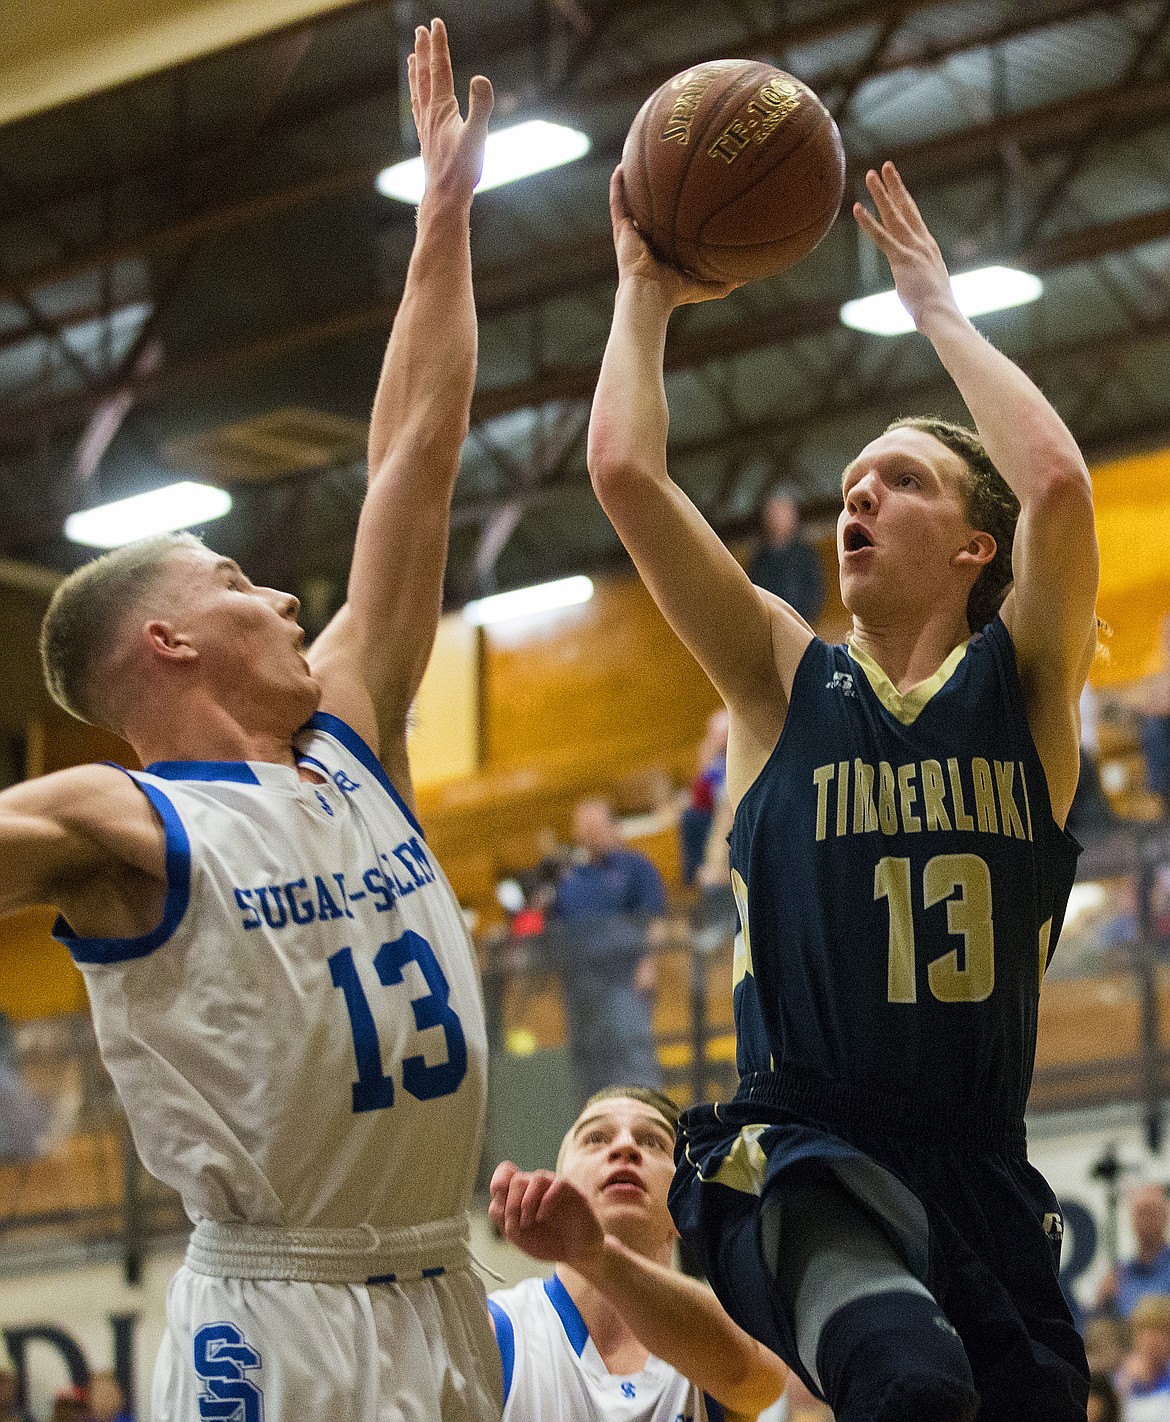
(207, 731)
(909, 651)
(613, 1338)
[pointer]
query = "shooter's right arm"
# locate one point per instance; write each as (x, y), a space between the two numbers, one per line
(740, 639)
(62, 834)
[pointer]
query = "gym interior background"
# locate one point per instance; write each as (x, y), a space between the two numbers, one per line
(197, 276)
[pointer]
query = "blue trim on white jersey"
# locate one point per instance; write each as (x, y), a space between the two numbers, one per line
(574, 1324)
(337, 728)
(237, 770)
(715, 1411)
(506, 1341)
(120, 950)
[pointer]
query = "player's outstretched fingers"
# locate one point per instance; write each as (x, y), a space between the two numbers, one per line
(412, 81)
(886, 208)
(422, 67)
(870, 225)
(442, 79)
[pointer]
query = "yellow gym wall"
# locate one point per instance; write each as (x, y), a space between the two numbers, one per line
(59, 50)
(516, 723)
(1132, 502)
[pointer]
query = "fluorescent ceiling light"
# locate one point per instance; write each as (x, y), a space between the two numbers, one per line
(159, 511)
(987, 289)
(511, 153)
(522, 602)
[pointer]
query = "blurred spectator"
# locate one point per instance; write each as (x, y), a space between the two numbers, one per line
(714, 918)
(25, 1117)
(1106, 1344)
(1153, 706)
(1103, 1401)
(784, 563)
(107, 1402)
(706, 789)
(1148, 1272)
(1144, 1379)
(9, 1412)
(606, 916)
(1091, 816)
(71, 1404)
(540, 881)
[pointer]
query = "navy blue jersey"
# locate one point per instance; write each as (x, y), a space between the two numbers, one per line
(901, 884)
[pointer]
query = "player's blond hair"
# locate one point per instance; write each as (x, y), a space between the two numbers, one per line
(86, 616)
(658, 1101)
(991, 508)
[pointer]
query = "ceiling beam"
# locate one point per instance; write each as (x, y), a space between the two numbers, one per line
(564, 270)
(213, 219)
(762, 434)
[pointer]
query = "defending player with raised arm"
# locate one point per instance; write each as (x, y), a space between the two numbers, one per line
(899, 863)
(282, 985)
(617, 1331)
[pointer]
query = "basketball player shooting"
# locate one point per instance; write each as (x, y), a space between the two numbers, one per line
(281, 982)
(865, 1205)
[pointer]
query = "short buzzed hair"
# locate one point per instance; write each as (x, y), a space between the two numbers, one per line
(86, 615)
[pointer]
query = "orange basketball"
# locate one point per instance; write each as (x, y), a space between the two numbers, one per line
(733, 170)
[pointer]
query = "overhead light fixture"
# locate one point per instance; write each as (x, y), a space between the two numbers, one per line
(523, 602)
(510, 153)
(158, 511)
(977, 292)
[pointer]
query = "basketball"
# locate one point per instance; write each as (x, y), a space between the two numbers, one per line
(733, 170)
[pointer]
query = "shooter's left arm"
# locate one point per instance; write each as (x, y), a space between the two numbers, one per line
(371, 658)
(1050, 610)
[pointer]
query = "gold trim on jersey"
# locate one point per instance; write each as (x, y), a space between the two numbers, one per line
(742, 962)
(745, 1165)
(905, 706)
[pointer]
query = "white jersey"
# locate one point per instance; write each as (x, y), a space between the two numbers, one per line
(300, 1042)
(554, 1373)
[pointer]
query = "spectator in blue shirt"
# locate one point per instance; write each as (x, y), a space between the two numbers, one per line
(1148, 1272)
(605, 920)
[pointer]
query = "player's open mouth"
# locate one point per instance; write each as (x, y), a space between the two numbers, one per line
(855, 538)
(625, 1180)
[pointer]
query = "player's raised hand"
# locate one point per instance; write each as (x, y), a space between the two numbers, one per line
(543, 1215)
(452, 147)
(919, 272)
(636, 260)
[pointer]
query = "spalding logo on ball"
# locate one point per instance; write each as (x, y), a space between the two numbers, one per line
(733, 170)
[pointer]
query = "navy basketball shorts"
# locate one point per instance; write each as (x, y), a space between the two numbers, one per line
(965, 1211)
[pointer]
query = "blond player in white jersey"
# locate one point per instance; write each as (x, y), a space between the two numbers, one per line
(616, 1335)
(282, 985)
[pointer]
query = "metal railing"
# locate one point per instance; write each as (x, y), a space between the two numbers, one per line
(1105, 1036)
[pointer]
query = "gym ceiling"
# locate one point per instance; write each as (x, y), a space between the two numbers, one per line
(197, 275)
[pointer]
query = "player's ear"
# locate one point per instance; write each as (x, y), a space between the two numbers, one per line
(164, 640)
(977, 552)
